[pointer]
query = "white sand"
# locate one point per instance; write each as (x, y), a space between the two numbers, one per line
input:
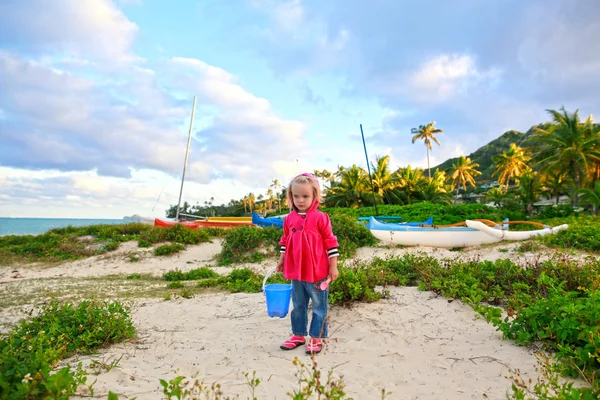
(415, 344)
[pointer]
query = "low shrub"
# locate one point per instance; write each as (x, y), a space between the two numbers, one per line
(194, 274)
(582, 234)
(356, 284)
(167, 249)
(30, 352)
(181, 234)
(247, 244)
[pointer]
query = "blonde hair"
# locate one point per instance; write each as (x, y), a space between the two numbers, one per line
(305, 178)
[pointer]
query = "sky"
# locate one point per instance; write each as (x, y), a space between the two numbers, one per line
(96, 96)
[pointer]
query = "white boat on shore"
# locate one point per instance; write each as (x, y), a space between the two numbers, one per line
(514, 235)
(475, 233)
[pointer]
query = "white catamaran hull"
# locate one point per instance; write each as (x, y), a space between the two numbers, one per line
(442, 237)
(474, 234)
(513, 235)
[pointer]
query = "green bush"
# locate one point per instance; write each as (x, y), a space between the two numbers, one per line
(181, 234)
(556, 211)
(243, 280)
(355, 284)
(143, 243)
(152, 236)
(194, 274)
(582, 234)
(29, 353)
(567, 321)
(167, 249)
(109, 246)
(243, 243)
(210, 282)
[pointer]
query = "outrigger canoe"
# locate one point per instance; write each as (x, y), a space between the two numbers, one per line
(428, 221)
(514, 235)
(382, 218)
(267, 222)
(475, 233)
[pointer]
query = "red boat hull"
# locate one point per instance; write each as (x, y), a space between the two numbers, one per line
(201, 224)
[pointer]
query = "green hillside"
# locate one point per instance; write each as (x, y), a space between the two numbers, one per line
(483, 155)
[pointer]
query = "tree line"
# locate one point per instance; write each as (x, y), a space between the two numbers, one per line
(560, 158)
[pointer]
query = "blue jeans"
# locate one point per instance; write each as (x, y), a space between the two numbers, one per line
(303, 292)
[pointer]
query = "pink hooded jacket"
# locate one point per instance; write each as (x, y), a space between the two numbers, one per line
(308, 242)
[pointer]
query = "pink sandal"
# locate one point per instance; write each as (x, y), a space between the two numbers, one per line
(293, 342)
(314, 346)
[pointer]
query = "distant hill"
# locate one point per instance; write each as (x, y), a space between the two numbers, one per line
(483, 155)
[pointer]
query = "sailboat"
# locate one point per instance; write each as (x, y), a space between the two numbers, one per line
(166, 222)
(214, 222)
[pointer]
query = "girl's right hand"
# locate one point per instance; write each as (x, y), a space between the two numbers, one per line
(279, 266)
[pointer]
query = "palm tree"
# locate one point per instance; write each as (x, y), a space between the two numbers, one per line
(328, 176)
(384, 180)
(497, 195)
(595, 171)
(270, 199)
(554, 183)
(567, 145)
(251, 201)
(245, 203)
(276, 185)
(283, 199)
(463, 173)
(435, 189)
(340, 171)
(409, 182)
(530, 190)
(353, 190)
(591, 196)
(511, 164)
(427, 134)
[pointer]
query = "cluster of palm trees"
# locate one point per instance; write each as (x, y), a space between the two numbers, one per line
(561, 157)
(275, 199)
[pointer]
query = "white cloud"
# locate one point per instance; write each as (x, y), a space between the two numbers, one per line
(89, 28)
(442, 78)
(244, 139)
(76, 123)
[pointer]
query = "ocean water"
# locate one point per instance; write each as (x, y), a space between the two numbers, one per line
(34, 226)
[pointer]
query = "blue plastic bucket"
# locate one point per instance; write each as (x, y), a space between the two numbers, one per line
(278, 297)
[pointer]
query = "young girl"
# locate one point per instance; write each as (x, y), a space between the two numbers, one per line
(309, 252)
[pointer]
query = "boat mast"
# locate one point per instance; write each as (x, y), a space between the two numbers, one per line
(369, 169)
(187, 151)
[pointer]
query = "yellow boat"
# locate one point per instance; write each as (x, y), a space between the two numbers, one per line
(229, 219)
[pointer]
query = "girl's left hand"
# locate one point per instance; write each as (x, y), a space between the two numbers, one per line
(333, 273)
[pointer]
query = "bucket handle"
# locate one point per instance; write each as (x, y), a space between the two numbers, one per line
(267, 277)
